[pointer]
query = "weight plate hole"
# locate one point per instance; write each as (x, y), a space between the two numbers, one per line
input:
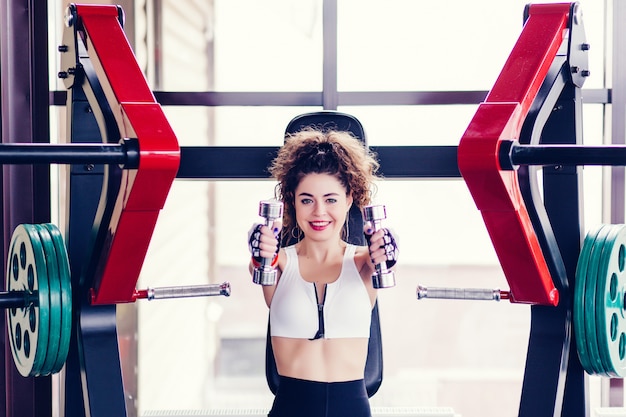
(622, 346)
(621, 258)
(15, 266)
(23, 255)
(26, 344)
(31, 278)
(32, 318)
(613, 287)
(614, 328)
(18, 336)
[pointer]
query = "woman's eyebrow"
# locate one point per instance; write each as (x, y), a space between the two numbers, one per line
(311, 195)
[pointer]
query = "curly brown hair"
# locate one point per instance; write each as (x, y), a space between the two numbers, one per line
(337, 153)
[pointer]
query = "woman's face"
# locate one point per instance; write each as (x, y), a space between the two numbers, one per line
(321, 206)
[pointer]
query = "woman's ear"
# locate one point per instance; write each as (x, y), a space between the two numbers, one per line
(349, 201)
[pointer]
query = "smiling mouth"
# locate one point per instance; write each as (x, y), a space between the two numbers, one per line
(319, 225)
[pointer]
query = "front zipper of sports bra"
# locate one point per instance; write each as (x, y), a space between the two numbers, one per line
(320, 313)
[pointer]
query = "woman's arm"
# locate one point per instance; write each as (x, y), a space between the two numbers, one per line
(382, 247)
(264, 244)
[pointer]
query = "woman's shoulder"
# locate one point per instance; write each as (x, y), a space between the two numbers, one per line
(361, 255)
(359, 250)
(365, 268)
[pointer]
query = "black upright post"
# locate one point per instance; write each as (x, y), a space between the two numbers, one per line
(93, 383)
(554, 381)
(25, 189)
(564, 203)
(84, 185)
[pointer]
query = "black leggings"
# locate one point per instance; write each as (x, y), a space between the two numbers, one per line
(301, 398)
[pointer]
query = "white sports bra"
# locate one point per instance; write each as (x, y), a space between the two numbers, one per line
(346, 311)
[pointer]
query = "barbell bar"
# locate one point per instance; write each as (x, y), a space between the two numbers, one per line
(126, 153)
(512, 154)
(18, 299)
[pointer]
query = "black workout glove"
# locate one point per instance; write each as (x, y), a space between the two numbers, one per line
(254, 242)
(390, 246)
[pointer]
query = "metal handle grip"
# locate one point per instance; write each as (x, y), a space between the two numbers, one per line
(461, 293)
(208, 290)
(265, 274)
(382, 278)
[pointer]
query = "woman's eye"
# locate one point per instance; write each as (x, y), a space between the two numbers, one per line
(306, 201)
(332, 200)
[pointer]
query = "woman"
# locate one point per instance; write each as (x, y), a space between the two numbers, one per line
(320, 307)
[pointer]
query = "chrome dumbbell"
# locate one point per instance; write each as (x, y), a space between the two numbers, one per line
(382, 278)
(265, 274)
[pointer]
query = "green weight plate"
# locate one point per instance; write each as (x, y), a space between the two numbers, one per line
(590, 293)
(28, 327)
(581, 312)
(610, 303)
(54, 334)
(66, 295)
(579, 300)
(599, 304)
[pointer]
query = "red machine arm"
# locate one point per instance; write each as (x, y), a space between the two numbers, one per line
(143, 190)
(496, 191)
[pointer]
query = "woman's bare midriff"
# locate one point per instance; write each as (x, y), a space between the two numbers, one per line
(324, 360)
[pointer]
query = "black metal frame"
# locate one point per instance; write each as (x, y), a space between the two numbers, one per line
(554, 381)
(93, 379)
(26, 190)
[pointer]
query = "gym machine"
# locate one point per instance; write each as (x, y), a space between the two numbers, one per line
(122, 145)
(123, 158)
(532, 118)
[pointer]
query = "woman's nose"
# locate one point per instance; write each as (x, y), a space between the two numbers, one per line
(319, 209)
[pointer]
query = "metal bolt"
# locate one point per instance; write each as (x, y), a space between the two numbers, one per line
(69, 16)
(574, 69)
(585, 46)
(585, 73)
(63, 48)
(62, 74)
(578, 14)
(89, 167)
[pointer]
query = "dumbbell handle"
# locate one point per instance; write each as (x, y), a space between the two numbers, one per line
(208, 290)
(265, 274)
(267, 262)
(462, 293)
(382, 278)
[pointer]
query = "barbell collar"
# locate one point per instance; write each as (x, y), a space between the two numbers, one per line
(513, 154)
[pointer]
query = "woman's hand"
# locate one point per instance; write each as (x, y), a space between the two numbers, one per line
(263, 241)
(383, 246)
